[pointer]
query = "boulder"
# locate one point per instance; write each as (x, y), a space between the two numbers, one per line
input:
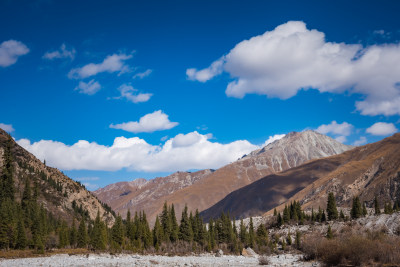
(219, 253)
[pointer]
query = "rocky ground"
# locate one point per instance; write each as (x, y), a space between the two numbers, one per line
(107, 260)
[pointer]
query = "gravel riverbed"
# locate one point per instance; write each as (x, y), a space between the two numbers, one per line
(107, 260)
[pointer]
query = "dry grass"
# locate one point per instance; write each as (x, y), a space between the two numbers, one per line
(354, 249)
(13, 254)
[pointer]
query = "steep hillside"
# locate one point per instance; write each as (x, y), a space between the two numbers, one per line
(290, 151)
(366, 171)
(60, 195)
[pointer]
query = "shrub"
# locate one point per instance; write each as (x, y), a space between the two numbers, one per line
(263, 260)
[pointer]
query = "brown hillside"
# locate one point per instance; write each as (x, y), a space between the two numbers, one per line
(56, 199)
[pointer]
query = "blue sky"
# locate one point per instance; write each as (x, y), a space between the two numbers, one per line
(90, 70)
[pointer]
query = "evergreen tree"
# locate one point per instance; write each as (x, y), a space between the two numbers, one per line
(73, 235)
(297, 240)
(286, 215)
(99, 234)
(174, 225)
(243, 234)
(289, 239)
(82, 237)
(157, 234)
(117, 233)
(329, 233)
(251, 233)
(331, 209)
(21, 235)
(275, 212)
(356, 209)
(279, 220)
(166, 222)
(185, 228)
(388, 208)
(262, 235)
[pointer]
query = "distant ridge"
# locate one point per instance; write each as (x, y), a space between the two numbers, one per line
(200, 190)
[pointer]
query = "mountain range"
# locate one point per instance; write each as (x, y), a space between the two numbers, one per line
(203, 189)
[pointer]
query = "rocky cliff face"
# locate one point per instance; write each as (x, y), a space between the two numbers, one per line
(212, 186)
(57, 192)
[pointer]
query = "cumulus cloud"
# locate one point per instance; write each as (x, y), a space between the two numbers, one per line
(182, 152)
(156, 121)
(361, 141)
(291, 57)
(10, 51)
(335, 128)
(112, 63)
(141, 75)
(273, 138)
(382, 129)
(7, 127)
(89, 88)
(63, 52)
(130, 94)
(206, 74)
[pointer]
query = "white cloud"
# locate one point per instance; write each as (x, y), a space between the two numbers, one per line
(112, 63)
(183, 152)
(63, 52)
(141, 75)
(156, 121)
(7, 127)
(89, 88)
(382, 128)
(10, 51)
(341, 138)
(361, 141)
(273, 138)
(343, 129)
(129, 93)
(206, 74)
(291, 57)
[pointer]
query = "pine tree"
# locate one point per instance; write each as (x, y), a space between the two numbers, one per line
(262, 235)
(331, 209)
(275, 212)
(279, 220)
(297, 240)
(117, 233)
(286, 215)
(185, 228)
(356, 209)
(329, 233)
(166, 222)
(157, 234)
(174, 225)
(251, 233)
(73, 235)
(21, 235)
(243, 234)
(99, 234)
(289, 239)
(82, 237)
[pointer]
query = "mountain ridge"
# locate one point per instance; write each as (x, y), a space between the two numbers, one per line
(290, 151)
